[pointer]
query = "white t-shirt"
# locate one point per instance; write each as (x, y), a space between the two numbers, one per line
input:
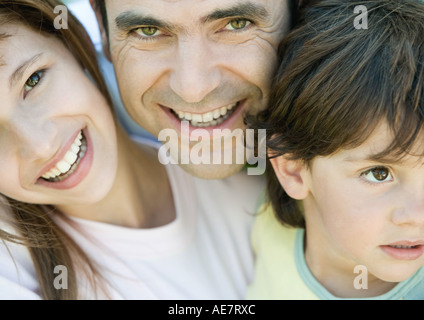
(204, 254)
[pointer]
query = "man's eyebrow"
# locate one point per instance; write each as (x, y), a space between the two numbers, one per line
(129, 20)
(250, 10)
(20, 71)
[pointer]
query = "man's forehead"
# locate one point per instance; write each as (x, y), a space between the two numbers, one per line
(192, 3)
(183, 15)
(193, 7)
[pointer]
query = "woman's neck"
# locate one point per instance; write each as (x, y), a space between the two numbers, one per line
(140, 197)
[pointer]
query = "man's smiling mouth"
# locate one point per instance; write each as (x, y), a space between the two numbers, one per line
(209, 119)
(65, 167)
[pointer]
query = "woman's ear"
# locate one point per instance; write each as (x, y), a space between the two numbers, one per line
(291, 174)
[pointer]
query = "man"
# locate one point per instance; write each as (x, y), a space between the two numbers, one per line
(189, 71)
(185, 65)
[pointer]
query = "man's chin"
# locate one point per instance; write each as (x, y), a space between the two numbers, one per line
(212, 171)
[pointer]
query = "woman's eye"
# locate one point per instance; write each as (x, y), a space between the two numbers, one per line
(148, 31)
(238, 24)
(378, 174)
(33, 81)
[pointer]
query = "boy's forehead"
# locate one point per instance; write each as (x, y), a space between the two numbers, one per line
(374, 148)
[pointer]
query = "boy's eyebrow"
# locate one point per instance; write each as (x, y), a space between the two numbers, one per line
(374, 158)
(129, 19)
(20, 71)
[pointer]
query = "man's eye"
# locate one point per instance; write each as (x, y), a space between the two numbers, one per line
(238, 24)
(33, 80)
(148, 31)
(377, 174)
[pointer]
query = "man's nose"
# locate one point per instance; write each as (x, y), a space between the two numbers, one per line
(196, 71)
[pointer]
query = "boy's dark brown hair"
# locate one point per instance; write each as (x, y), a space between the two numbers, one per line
(336, 83)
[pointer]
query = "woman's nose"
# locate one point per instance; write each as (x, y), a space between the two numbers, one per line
(35, 139)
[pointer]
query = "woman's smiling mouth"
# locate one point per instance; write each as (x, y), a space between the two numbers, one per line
(65, 167)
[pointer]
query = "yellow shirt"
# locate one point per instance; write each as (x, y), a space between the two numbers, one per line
(275, 267)
(281, 272)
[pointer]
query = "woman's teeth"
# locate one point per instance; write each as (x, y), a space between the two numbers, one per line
(70, 161)
(208, 119)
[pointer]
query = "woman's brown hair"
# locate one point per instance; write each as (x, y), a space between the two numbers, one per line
(338, 81)
(48, 245)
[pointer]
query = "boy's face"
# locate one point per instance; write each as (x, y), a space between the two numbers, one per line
(362, 212)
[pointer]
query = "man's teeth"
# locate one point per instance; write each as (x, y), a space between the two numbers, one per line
(208, 119)
(70, 161)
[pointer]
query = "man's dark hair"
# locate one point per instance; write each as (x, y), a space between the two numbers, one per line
(101, 5)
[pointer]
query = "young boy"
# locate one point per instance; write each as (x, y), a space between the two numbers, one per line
(346, 140)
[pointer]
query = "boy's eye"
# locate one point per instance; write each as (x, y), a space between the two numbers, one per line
(238, 24)
(378, 174)
(33, 81)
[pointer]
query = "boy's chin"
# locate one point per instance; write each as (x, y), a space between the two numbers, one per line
(396, 274)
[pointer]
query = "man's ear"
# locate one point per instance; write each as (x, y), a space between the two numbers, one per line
(102, 29)
(291, 174)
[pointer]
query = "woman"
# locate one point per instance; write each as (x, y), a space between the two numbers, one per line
(106, 219)
(60, 146)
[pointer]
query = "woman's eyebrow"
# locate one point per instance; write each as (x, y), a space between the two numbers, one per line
(3, 36)
(18, 74)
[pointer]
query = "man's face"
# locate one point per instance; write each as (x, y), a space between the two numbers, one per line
(201, 63)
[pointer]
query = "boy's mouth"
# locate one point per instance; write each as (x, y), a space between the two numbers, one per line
(404, 250)
(209, 119)
(65, 167)
(403, 247)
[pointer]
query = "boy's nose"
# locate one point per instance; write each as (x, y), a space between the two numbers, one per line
(411, 212)
(195, 71)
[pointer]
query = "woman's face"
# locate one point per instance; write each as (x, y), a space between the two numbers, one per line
(57, 133)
